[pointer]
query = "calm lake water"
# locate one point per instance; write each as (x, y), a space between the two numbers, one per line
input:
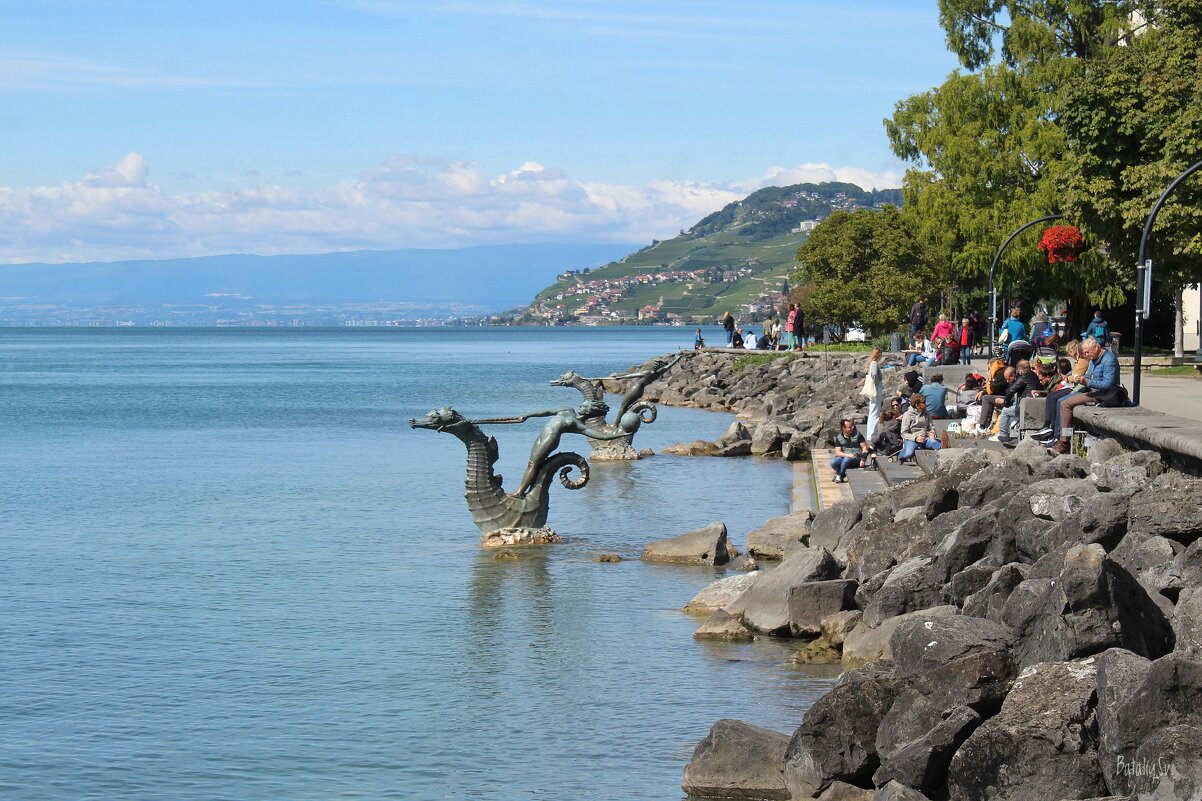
(231, 571)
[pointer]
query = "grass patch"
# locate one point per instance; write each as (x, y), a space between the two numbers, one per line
(756, 359)
(1183, 369)
(841, 347)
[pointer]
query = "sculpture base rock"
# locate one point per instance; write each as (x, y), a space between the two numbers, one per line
(505, 537)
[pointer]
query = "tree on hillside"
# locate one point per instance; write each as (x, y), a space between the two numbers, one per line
(863, 269)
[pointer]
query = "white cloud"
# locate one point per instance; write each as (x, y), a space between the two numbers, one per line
(116, 211)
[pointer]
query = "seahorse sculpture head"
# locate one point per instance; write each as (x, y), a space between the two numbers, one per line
(439, 419)
(569, 379)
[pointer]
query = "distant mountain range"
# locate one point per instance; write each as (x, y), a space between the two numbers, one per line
(737, 259)
(414, 282)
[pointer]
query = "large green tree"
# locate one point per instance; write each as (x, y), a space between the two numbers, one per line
(1133, 123)
(859, 268)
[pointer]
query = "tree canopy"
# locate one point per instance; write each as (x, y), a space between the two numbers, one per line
(859, 268)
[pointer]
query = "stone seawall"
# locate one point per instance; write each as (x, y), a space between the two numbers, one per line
(1014, 626)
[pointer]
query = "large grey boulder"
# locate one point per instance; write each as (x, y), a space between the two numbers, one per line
(1165, 511)
(921, 764)
(969, 581)
(1102, 520)
(1187, 620)
(837, 737)
(877, 542)
(703, 546)
(896, 791)
(721, 593)
(1167, 700)
(1039, 746)
(865, 643)
(996, 480)
(956, 660)
(1093, 605)
(814, 601)
(914, 584)
(780, 535)
(1065, 465)
(990, 600)
(1150, 558)
(766, 439)
(1129, 471)
(842, 791)
(738, 760)
(831, 523)
(1120, 674)
(765, 606)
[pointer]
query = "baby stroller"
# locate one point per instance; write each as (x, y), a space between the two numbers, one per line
(1018, 350)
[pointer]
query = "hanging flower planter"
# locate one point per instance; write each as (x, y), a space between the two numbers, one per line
(1062, 243)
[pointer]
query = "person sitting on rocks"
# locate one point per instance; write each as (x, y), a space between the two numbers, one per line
(912, 383)
(936, 395)
(888, 439)
(966, 395)
(897, 407)
(1100, 385)
(1030, 383)
(850, 450)
(916, 430)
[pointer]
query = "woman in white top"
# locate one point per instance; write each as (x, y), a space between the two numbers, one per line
(876, 400)
(749, 340)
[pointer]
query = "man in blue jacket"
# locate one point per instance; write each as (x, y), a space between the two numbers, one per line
(1100, 386)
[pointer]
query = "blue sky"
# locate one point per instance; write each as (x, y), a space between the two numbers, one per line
(183, 128)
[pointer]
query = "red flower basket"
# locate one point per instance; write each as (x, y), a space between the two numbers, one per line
(1062, 243)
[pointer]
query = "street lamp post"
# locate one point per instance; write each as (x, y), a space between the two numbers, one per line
(993, 270)
(1143, 281)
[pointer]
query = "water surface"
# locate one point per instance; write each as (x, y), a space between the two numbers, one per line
(230, 571)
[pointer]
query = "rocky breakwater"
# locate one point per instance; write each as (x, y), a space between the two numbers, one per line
(1015, 626)
(788, 404)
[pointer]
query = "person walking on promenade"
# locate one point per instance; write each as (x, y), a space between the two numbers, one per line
(980, 329)
(1098, 328)
(874, 383)
(790, 327)
(916, 430)
(851, 450)
(943, 329)
(1012, 329)
(728, 325)
(698, 341)
(918, 315)
(799, 328)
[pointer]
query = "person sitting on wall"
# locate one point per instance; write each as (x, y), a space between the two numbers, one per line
(1078, 368)
(1100, 387)
(936, 395)
(1030, 383)
(764, 342)
(995, 397)
(749, 340)
(850, 450)
(923, 350)
(916, 430)
(736, 340)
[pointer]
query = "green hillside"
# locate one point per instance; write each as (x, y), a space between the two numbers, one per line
(736, 259)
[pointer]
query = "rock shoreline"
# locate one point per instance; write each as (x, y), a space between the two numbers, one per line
(1014, 626)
